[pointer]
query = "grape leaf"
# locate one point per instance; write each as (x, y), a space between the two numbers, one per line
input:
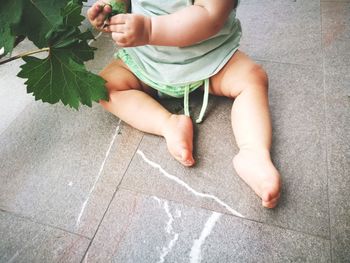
(7, 21)
(72, 14)
(62, 74)
(38, 18)
(59, 77)
(33, 18)
(117, 8)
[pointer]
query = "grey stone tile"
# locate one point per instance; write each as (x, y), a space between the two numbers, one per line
(299, 146)
(282, 31)
(139, 228)
(335, 21)
(25, 241)
(299, 152)
(336, 40)
(54, 165)
(13, 94)
(338, 135)
(335, 1)
(336, 37)
(104, 53)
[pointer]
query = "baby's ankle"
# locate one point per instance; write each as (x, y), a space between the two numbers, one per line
(167, 124)
(255, 150)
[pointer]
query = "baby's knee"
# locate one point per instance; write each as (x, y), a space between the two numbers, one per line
(252, 78)
(255, 79)
(105, 74)
(115, 82)
(259, 76)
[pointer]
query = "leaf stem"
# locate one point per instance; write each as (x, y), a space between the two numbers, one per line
(25, 54)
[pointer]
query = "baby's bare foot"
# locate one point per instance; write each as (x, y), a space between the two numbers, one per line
(178, 133)
(257, 170)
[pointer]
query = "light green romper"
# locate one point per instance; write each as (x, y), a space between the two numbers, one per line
(177, 71)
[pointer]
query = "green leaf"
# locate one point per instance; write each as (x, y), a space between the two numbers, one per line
(82, 51)
(73, 42)
(10, 15)
(62, 75)
(40, 17)
(59, 77)
(117, 8)
(72, 13)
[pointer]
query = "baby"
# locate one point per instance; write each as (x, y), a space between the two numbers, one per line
(174, 47)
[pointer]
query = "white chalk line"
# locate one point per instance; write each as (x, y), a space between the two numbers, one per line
(195, 254)
(99, 174)
(182, 183)
(157, 199)
(169, 229)
(168, 249)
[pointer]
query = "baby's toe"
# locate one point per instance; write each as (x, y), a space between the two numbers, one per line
(270, 199)
(187, 158)
(270, 204)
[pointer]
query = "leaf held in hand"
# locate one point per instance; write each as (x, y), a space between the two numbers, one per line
(117, 8)
(62, 76)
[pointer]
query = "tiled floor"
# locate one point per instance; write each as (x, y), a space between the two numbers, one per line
(85, 187)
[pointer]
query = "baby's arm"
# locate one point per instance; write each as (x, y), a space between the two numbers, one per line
(192, 24)
(183, 28)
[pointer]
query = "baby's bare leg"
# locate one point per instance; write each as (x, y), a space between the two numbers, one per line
(131, 101)
(247, 82)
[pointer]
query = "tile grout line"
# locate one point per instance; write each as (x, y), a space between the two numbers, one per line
(326, 131)
(285, 63)
(101, 168)
(23, 217)
(99, 173)
(137, 191)
(110, 202)
(104, 160)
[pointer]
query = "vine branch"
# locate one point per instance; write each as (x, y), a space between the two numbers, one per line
(46, 49)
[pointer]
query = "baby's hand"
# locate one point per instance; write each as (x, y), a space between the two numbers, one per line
(129, 30)
(98, 13)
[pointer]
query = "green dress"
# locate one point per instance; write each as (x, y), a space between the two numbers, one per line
(176, 71)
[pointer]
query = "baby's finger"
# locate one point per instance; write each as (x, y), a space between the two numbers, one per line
(99, 21)
(120, 28)
(106, 10)
(118, 19)
(94, 11)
